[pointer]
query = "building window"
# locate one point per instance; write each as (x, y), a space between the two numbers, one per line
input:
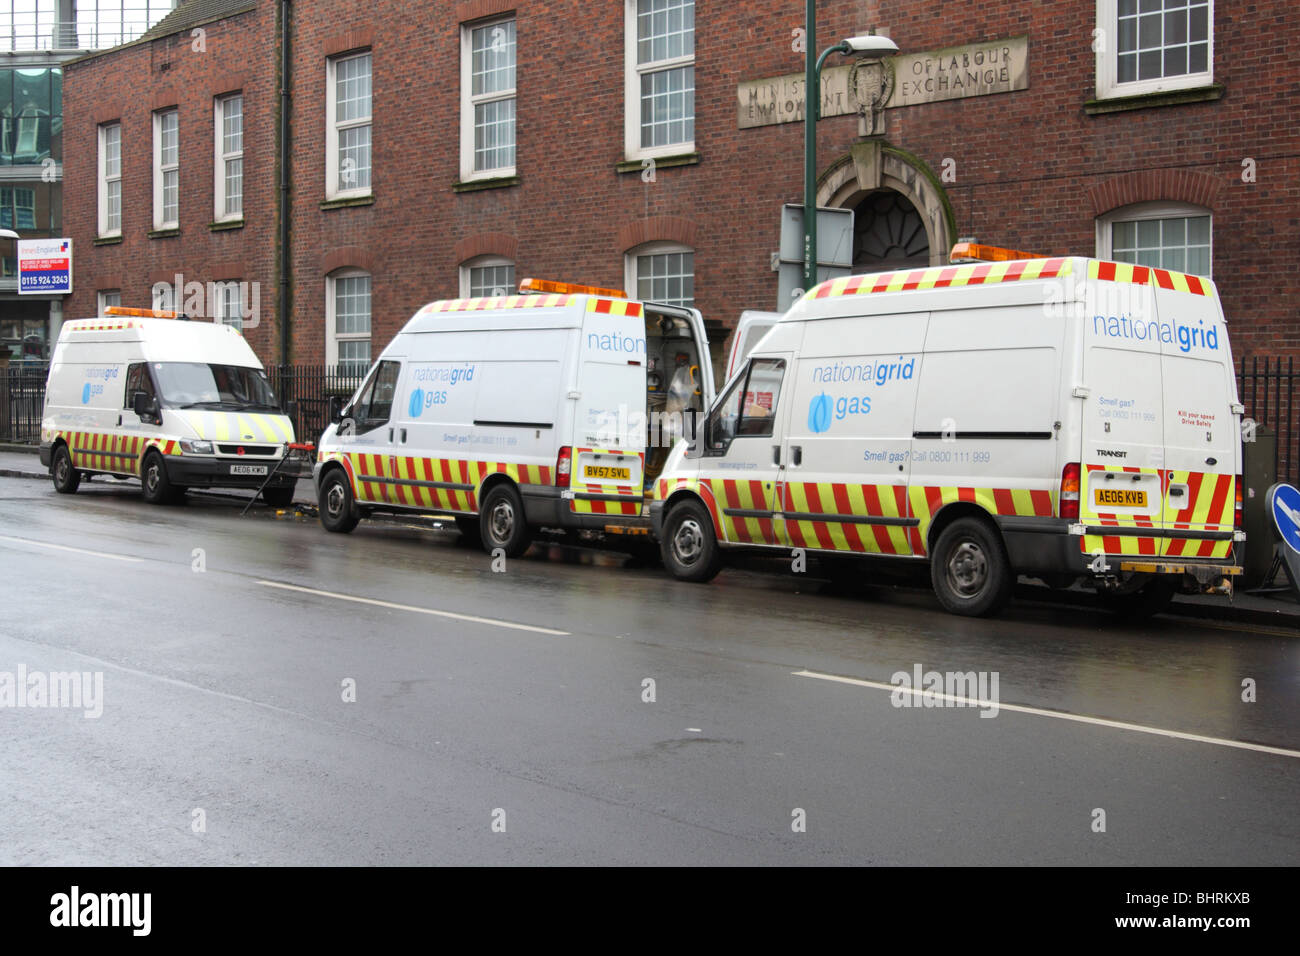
(347, 316)
(110, 179)
(17, 208)
(229, 134)
(487, 276)
(228, 305)
(1161, 235)
(108, 298)
(166, 170)
(1149, 46)
(347, 150)
(487, 83)
(661, 272)
(660, 77)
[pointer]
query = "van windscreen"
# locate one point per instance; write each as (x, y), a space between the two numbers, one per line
(197, 385)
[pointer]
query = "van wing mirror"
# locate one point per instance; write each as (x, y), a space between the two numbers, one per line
(291, 409)
(335, 409)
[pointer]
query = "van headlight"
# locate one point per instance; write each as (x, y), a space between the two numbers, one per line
(196, 447)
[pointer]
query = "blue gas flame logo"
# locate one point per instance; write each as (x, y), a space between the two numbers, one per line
(819, 413)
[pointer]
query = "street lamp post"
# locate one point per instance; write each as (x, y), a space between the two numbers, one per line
(873, 48)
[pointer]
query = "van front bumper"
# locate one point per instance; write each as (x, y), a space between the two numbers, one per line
(47, 453)
(202, 472)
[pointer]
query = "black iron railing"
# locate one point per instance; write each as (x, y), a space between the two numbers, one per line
(1267, 387)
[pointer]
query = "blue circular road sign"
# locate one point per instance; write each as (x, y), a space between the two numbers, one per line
(1284, 506)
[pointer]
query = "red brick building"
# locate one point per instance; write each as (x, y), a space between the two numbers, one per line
(451, 148)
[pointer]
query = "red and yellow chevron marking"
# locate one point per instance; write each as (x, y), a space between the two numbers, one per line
(1146, 275)
(496, 302)
(1210, 508)
(939, 277)
(925, 501)
(665, 488)
(882, 501)
(364, 470)
(614, 307)
(751, 496)
(630, 508)
(102, 451)
(104, 325)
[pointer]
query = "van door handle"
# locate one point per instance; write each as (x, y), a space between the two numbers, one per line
(403, 436)
(796, 455)
(776, 455)
(1177, 491)
(390, 435)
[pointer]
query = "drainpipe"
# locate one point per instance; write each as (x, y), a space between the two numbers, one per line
(286, 261)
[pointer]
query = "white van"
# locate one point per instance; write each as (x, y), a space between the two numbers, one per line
(178, 404)
(550, 409)
(1063, 418)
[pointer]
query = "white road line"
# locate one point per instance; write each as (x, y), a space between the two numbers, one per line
(64, 547)
(492, 622)
(1060, 715)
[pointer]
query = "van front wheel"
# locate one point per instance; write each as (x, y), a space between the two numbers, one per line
(689, 546)
(66, 478)
(969, 569)
(156, 487)
(502, 523)
(336, 503)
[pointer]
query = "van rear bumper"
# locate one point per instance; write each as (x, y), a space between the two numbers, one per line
(545, 505)
(194, 472)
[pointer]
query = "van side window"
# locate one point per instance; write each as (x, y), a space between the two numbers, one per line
(748, 409)
(137, 380)
(375, 405)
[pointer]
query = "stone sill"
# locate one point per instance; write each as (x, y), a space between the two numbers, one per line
(1121, 104)
(347, 203)
(164, 233)
(106, 240)
(226, 224)
(660, 162)
(475, 185)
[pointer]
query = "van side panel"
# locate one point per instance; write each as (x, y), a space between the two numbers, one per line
(987, 412)
(851, 400)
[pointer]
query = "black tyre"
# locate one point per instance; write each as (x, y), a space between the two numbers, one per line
(689, 546)
(154, 484)
(66, 478)
(969, 569)
(502, 523)
(1150, 599)
(279, 497)
(336, 509)
(468, 526)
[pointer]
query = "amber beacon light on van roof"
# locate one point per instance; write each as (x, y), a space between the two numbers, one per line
(140, 313)
(975, 252)
(566, 288)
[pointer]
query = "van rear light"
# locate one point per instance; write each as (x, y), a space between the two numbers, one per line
(563, 467)
(1236, 510)
(1069, 507)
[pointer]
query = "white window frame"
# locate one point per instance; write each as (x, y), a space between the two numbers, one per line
(159, 170)
(468, 101)
(104, 179)
(106, 297)
(1106, 44)
(632, 148)
(1137, 212)
(482, 262)
(332, 337)
(222, 158)
(657, 248)
(332, 127)
(228, 293)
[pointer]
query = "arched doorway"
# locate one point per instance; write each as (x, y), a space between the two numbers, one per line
(888, 234)
(902, 217)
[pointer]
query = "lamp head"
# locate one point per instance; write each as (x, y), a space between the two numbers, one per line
(871, 45)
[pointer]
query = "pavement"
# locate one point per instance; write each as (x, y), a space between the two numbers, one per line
(1279, 607)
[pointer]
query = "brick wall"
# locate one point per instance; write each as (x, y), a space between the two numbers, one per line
(1033, 169)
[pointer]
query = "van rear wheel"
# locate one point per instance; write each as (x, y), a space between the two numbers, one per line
(336, 513)
(689, 546)
(66, 478)
(502, 523)
(969, 569)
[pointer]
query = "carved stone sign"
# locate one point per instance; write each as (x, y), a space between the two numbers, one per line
(974, 69)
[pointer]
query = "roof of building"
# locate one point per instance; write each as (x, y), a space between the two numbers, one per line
(191, 13)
